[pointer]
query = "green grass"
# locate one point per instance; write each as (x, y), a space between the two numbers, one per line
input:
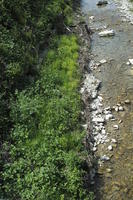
(46, 154)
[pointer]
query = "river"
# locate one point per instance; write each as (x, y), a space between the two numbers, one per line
(114, 178)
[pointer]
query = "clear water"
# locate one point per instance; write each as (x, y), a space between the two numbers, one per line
(117, 86)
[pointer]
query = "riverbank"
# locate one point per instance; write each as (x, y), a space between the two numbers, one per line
(47, 154)
(111, 105)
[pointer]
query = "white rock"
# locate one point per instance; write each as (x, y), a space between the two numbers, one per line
(100, 98)
(108, 108)
(113, 140)
(108, 117)
(128, 63)
(131, 61)
(104, 158)
(103, 131)
(116, 127)
(110, 148)
(94, 149)
(107, 33)
(85, 126)
(116, 108)
(91, 17)
(103, 61)
(127, 101)
(98, 119)
(121, 108)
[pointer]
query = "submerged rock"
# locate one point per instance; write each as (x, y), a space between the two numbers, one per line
(107, 33)
(102, 2)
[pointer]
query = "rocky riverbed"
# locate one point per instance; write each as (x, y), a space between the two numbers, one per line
(108, 84)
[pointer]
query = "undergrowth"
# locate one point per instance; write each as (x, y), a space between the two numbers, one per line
(45, 156)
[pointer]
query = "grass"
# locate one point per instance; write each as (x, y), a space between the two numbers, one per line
(46, 154)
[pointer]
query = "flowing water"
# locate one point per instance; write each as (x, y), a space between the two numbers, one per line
(117, 86)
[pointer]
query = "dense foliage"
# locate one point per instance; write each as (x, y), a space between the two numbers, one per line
(25, 27)
(42, 155)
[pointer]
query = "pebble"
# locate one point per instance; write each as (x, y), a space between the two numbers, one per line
(128, 63)
(113, 140)
(85, 126)
(120, 121)
(103, 61)
(121, 108)
(91, 17)
(131, 61)
(108, 117)
(127, 101)
(116, 127)
(94, 149)
(116, 108)
(109, 170)
(98, 119)
(104, 158)
(110, 148)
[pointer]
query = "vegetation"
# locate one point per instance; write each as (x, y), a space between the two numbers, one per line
(42, 155)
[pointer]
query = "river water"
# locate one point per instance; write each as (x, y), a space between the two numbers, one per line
(117, 86)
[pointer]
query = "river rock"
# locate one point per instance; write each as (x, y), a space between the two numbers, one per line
(108, 117)
(98, 119)
(103, 61)
(91, 17)
(127, 101)
(94, 149)
(104, 158)
(107, 33)
(113, 140)
(102, 2)
(116, 127)
(109, 170)
(121, 108)
(131, 61)
(110, 148)
(116, 108)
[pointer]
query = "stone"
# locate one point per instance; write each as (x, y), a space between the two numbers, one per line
(102, 2)
(98, 119)
(91, 17)
(116, 108)
(100, 98)
(85, 126)
(110, 148)
(116, 127)
(121, 108)
(127, 101)
(108, 108)
(107, 33)
(131, 61)
(108, 117)
(104, 158)
(103, 61)
(128, 63)
(94, 149)
(113, 140)
(109, 170)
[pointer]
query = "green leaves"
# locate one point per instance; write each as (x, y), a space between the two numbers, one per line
(47, 151)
